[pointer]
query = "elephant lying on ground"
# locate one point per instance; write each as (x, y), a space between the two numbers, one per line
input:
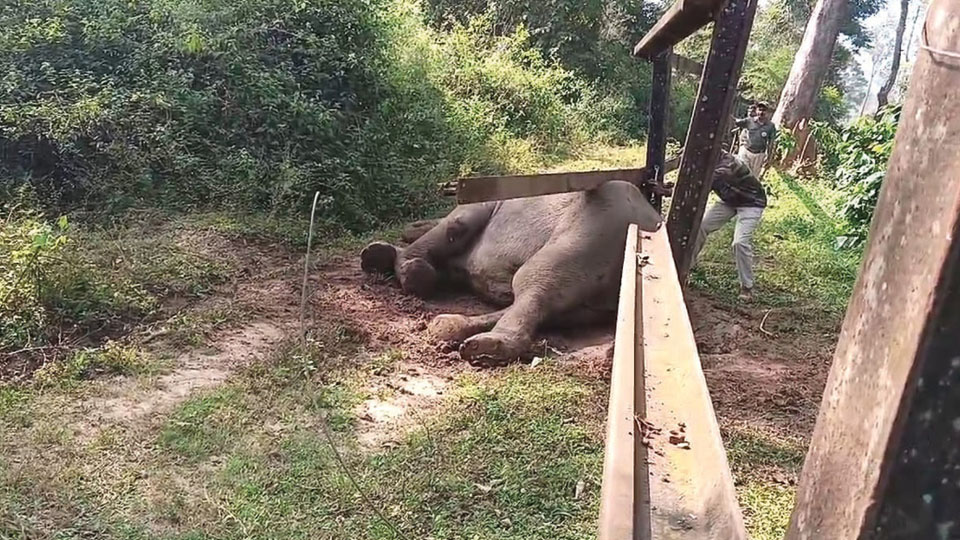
(548, 260)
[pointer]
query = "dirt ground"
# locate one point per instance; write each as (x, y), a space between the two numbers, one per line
(762, 368)
(770, 376)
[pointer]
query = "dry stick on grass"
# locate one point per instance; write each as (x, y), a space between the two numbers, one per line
(762, 329)
(324, 426)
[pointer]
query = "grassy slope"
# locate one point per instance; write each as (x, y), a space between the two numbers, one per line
(502, 459)
(798, 266)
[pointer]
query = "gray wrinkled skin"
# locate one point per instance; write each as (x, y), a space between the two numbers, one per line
(554, 259)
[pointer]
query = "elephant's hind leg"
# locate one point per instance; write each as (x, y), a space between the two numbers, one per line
(456, 328)
(548, 284)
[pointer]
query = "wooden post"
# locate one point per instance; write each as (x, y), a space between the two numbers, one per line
(884, 461)
(718, 86)
(659, 118)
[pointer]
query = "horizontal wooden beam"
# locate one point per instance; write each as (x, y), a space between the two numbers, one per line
(491, 188)
(476, 189)
(686, 65)
(665, 470)
(682, 19)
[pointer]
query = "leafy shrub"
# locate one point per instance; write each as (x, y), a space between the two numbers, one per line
(112, 358)
(57, 278)
(857, 157)
(44, 282)
(591, 39)
(255, 104)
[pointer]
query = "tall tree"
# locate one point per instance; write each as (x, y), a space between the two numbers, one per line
(883, 96)
(799, 96)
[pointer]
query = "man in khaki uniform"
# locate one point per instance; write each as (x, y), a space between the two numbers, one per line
(756, 138)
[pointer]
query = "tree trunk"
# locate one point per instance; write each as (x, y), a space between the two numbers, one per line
(810, 68)
(883, 96)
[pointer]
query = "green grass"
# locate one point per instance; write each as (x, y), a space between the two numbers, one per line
(765, 469)
(798, 264)
(501, 459)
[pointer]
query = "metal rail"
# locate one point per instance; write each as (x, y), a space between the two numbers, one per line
(665, 472)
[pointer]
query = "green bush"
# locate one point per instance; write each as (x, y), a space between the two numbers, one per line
(45, 281)
(60, 282)
(592, 39)
(255, 104)
(857, 158)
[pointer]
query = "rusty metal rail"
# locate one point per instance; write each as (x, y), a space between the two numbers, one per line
(665, 472)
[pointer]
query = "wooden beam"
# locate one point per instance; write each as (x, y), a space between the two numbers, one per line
(692, 495)
(705, 136)
(683, 18)
(492, 188)
(657, 485)
(658, 120)
(884, 460)
(686, 65)
(624, 487)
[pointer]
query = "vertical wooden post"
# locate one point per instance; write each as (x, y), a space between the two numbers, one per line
(718, 86)
(659, 118)
(884, 461)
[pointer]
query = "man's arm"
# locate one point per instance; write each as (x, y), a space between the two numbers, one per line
(740, 122)
(771, 149)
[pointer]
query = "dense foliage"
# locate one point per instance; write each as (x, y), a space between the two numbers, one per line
(591, 38)
(255, 104)
(857, 156)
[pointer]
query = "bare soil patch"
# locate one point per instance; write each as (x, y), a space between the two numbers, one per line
(771, 378)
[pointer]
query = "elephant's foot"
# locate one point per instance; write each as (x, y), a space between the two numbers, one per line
(494, 349)
(455, 329)
(417, 277)
(452, 328)
(378, 257)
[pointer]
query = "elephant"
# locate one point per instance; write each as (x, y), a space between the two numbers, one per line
(550, 260)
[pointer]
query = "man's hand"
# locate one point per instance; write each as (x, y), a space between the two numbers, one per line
(664, 190)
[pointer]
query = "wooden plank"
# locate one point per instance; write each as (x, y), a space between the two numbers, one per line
(692, 495)
(621, 491)
(884, 460)
(683, 18)
(705, 136)
(658, 120)
(686, 65)
(654, 487)
(492, 188)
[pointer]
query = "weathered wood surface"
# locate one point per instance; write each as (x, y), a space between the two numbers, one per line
(686, 65)
(659, 118)
(692, 495)
(491, 188)
(475, 189)
(624, 487)
(654, 487)
(884, 461)
(705, 136)
(683, 18)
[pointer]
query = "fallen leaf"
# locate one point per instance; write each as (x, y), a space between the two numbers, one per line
(578, 492)
(483, 488)
(536, 361)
